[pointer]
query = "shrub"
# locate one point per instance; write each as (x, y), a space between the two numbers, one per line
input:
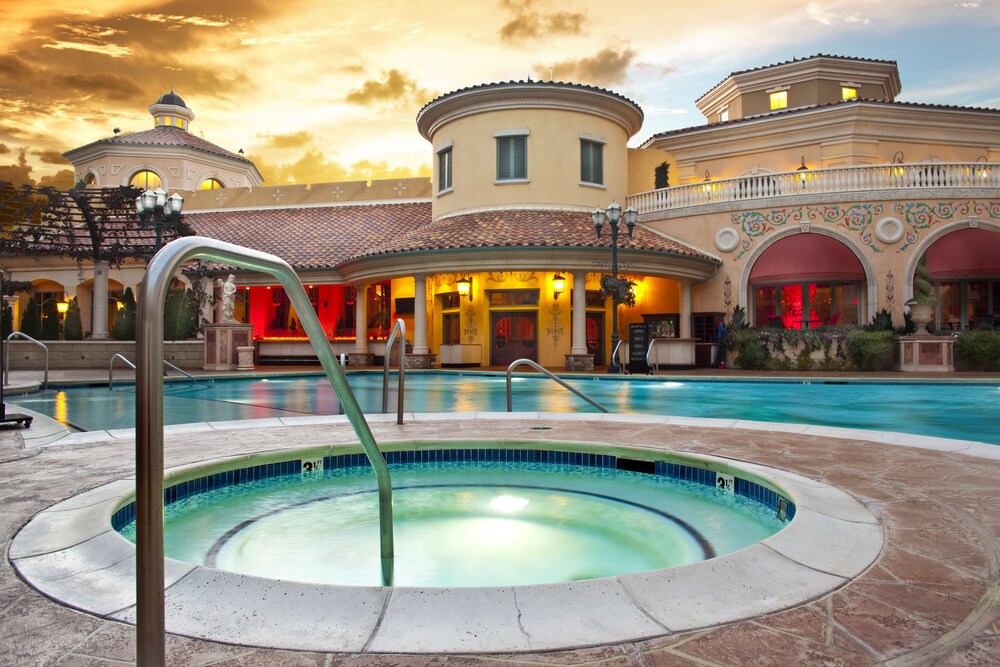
(30, 325)
(124, 325)
(870, 350)
(50, 320)
(881, 321)
(73, 326)
(751, 352)
(179, 313)
(978, 351)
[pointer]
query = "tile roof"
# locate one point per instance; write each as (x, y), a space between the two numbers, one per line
(529, 82)
(313, 237)
(812, 107)
(165, 135)
(523, 229)
(342, 233)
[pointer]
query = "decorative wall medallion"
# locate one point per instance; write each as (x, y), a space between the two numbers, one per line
(804, 227)
(727, 239)
(889, 230)
(890, 290)
(555, 328)
(471, 330)
(973, 221)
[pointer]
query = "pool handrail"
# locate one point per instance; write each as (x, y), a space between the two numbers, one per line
(551, 376)
(399, 326)
(652, 344)
(614, 357)
(150, 594)
(116, 355)
(6, 359)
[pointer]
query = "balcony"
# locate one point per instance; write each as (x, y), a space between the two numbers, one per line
(890, 181)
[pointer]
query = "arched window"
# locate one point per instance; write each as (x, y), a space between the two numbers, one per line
(211, 184)
(146, 180)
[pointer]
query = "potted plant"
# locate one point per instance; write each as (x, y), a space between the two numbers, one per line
(923, 301)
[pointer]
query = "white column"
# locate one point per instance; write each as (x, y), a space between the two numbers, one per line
(361, 320)
(99, 323)
(686, 300)
(579, 336)
(420, 315)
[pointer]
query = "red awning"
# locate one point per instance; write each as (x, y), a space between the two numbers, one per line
(965, 253)
(806, 257)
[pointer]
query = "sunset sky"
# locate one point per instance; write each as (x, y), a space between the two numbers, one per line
(318, 91)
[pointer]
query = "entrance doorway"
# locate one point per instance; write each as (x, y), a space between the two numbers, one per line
(514, 336)
(595, 338)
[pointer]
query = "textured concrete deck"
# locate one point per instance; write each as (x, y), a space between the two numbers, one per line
(932, 596)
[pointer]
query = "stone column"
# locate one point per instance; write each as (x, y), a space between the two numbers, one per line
(578, 359)
(361, 356)
(686, 301)
(421, 356)
(99, 323)
(420, 315)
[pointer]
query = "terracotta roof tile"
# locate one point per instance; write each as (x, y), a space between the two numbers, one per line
(523, 228)
(166, 136)
(529, 82)
(315, 237)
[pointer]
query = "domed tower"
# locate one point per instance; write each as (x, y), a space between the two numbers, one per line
(166, 155)
(170, 110)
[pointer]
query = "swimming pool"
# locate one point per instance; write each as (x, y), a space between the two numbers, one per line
(961, 410)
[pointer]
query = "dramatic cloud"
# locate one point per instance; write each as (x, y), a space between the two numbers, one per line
(605, 68)
(18, 173)
(395, 87)
(828, 17)
(4, 149)
(314, 167)
(51, 157)
(527, 24)
(289, 140)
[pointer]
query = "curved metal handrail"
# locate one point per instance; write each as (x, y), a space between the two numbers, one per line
(652, 344)
(111, 369)
(399, 326)
(6, 359)
(150, 596)
(550, 375)
(614, 357)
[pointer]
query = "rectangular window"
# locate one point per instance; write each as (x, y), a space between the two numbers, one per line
(591, 162)
(779, 99)
(444, 170)
(512, 158)
(847, 92)
(513, 297)
(724, 115)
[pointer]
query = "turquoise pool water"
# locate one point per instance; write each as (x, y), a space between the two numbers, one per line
(469, 523)
(967, 411)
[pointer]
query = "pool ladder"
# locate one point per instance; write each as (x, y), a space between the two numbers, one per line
(150, 594)
(111, 369)
(552, 376)
(6, 360)
(398, 327)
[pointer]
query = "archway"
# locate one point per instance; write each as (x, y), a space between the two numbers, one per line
(965, 271)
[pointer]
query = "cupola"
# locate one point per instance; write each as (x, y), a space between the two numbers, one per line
(170, 111)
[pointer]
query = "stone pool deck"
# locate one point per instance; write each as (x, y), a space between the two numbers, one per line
(932, 597)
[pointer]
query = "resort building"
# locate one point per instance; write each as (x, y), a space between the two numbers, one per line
(808, 198)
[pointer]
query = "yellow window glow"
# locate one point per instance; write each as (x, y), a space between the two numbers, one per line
(210, 184)
(847, 92)
(779, 100)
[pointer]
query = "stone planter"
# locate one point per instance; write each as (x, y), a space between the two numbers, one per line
(922, 314)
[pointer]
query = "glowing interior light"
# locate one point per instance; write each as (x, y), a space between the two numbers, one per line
(508, 504)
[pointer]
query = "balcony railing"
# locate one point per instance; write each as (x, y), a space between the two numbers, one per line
(894, 176)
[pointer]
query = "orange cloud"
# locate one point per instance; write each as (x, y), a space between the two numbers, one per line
(607, 67)
(394, 87)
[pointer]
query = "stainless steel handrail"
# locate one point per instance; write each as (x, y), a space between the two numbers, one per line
(614, 357)
(550, 375)
(399, 326)
(6, 359)
(116, 355)
(150, 613)
(652, 344)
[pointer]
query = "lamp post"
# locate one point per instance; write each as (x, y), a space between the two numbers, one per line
(156, 208)
(614, 215)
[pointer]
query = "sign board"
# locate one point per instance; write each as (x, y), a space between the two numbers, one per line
(638, 345)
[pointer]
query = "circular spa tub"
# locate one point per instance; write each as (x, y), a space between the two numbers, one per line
(805, 539)
(469, 514)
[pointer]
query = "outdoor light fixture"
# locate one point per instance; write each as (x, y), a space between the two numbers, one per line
(558, 286)
(983, 171)
(613, 215)
(156, 208)
(707, 187)
(62, 307)
(465, 288)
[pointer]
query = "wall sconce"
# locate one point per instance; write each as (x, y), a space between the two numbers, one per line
(558, 286)
(465, 288)
(62, 307)
(983, 171)
(707, 187)
(119, 305)
(803, 170)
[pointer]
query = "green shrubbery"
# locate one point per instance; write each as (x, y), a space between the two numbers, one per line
(977, 351)
(73, 326)
(124, 324)
(870, 350)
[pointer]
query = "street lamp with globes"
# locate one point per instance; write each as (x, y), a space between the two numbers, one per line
(614, 215)
(156, 208)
